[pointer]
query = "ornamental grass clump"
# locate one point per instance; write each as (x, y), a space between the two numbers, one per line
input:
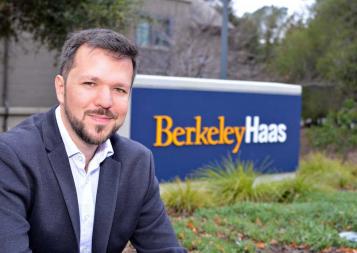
(233, 181)
(182, 198)
(289, 190)
(230, 182)
(327, 174)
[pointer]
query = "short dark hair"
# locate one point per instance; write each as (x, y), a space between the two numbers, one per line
(106, 39)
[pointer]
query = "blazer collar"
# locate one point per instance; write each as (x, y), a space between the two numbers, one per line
(108, 184)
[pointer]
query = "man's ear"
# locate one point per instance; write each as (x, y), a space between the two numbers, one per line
(60, 86)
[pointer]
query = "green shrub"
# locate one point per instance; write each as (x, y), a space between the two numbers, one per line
(339, 132)
(317, 101)
(282, 191)
(326, 173)
(290, 190)
(181, 197)
(230, 181)
(234, 181)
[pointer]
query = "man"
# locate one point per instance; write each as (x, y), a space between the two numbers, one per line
(68, 182)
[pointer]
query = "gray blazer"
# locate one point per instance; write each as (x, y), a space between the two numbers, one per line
(38, 201)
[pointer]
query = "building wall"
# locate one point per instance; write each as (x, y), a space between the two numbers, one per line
(31, 74)
(194, 50)
(30, 87)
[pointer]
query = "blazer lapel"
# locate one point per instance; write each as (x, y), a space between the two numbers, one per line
(60, 165)
(58, 158)
(107, 192)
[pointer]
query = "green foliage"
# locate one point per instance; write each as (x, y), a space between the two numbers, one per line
(314, 221)
(288, 190)
(259, 31)
(317, 101)
(293, 61)
(339, 132)
(324, 50)
(234, 181)
(309, 209)
(271, 22)
(339, 62)
(327, 174)
(230, 181)
(50, 21)
(182, 198)
(248, 27)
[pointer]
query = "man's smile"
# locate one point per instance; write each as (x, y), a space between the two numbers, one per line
(100, 119)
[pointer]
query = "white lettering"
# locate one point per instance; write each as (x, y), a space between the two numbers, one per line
(251, 129)
(273, 133)
(263, 133)
(281, 133)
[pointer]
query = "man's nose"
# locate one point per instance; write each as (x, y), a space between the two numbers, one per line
(104, 97)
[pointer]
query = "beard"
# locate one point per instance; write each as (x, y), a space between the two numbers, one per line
(80, 129)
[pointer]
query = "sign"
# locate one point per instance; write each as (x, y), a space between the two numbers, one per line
(189, 123)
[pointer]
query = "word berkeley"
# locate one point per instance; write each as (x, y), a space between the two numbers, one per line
(254, 131)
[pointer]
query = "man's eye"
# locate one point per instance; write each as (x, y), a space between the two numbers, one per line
(89, 83)
(120, 90)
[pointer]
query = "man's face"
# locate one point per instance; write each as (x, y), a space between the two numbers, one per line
(94, 98)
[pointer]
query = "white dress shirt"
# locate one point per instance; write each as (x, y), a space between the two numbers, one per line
(86, 182)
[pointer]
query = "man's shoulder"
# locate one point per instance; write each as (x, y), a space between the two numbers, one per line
(25, 134)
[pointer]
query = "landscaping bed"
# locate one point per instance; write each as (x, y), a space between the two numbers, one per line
(226, 211)
(310, 224)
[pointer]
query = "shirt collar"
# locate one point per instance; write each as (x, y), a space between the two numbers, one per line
(104, 150)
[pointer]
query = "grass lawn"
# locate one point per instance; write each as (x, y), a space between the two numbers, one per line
(309, 224)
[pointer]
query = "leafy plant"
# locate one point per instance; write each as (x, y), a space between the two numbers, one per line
(339, 132)
(322, 49)
(326, 173)
(50, 21)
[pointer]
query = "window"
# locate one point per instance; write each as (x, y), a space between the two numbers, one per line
(154, 32)
(143, 33)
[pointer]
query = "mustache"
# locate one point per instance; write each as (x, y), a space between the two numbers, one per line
(102, 111)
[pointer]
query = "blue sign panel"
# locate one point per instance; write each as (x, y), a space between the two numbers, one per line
(188, 129)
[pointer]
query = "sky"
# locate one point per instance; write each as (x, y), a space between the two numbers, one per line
(298, 6)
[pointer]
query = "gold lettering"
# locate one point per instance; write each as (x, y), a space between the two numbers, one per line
(221, 129)
(189, 131)
(160, 130)
(212, 131)
(239, 132)
(198, 130)
(228, 131)
(178, 131)
(202, 136)
(197, 135)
